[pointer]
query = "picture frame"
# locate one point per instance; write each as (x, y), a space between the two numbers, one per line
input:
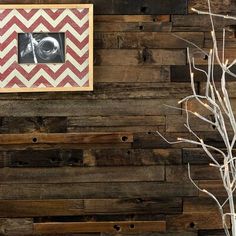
(46, 47)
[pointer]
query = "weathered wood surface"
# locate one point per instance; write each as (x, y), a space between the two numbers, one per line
(82, 175)
(96, 190)
(55, 178)
(143, 56)
(113, 227)
(68, 138)
(132, 40)
(84, 108)
(72, 207)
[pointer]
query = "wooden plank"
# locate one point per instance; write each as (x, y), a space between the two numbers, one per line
(195, 22)
(156, 234)
(230, 86)
(176, 123)
(85, 108)
(132, 40)
(66, 138)
(120, 157)
(198, 156)
(194, 221)
(33, 124)
(129, 7)
(216, 6)
(131, 18)
(211, 233)
(72, 207)
(213, 186)
(132, 26)
(90, 157)
(134, 57)
(120, 90)
(41, 158)
(200, 205)
(113, 227)
(96, 190)
(81, 175)
(181, 73)
(198, 172)
(74, 123)
(141, 74)
(200, 57)
(16, 226)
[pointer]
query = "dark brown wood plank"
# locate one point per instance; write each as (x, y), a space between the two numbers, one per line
(132, 40)
(216, 6)
(33, 124)
(120, 157)
(181, 73)
(198, 156)
(85, 108)
(66, 138)
(105, 91)
(81, 175)
(201, 205)
(198, 172)
(129, 7)
(194, 221)
(72, 207)
(213, 186)
(90, 157)
(113, 227)
(96, 190)
(41, 158)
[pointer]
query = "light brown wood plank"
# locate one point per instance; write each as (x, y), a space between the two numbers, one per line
(113, 227)
(134, 57)
(66, 138)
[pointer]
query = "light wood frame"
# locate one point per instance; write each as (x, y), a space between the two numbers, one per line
(56, 6)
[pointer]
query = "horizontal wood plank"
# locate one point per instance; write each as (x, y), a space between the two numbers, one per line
(134, 57)
(81, 175)
(72, 207)
(132, 40)
(84, 108)
(66, 138)
(96, 190)
(113, 227)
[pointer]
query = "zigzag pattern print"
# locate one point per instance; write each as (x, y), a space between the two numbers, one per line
(74, 72)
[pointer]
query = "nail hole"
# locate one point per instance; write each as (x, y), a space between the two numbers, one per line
(128, 152)
(192, 225)
(144, 9)
(34, 140)
(205, 57)
(117, 227)
(132, 226)
(124, 138)
(141, 27)
(154, 19)
(149, 132)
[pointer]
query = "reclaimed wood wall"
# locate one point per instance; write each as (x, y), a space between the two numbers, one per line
(89, 163)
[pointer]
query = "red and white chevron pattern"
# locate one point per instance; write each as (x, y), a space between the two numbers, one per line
(74, 72)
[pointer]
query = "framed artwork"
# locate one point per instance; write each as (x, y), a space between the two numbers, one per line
(46, 47)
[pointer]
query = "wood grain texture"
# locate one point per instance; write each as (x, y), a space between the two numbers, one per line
(72, 207)
(113, 227)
